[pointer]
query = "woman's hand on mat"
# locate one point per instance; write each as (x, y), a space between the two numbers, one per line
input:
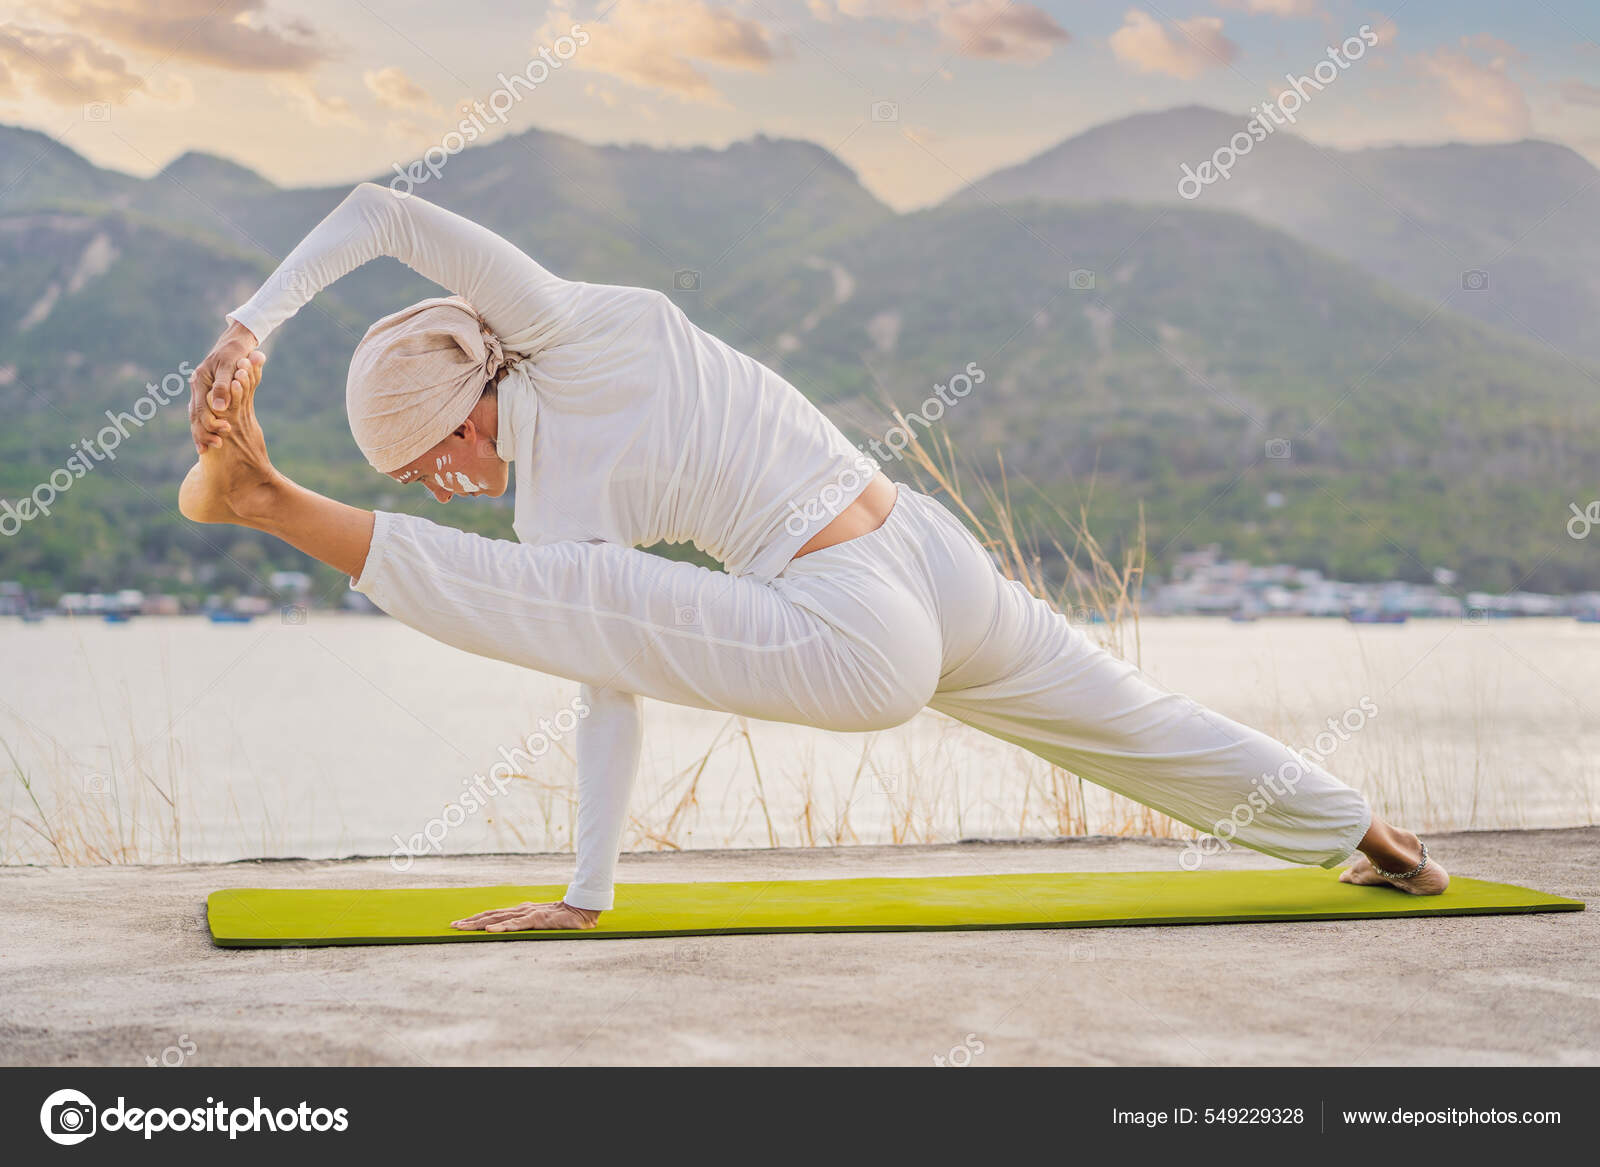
(527, 917)
(215, 372)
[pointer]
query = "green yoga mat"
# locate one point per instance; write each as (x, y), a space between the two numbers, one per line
(295, 917)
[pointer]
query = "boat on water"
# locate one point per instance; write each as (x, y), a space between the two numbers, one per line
(118, 617)
(1375, 616)
(223, 616)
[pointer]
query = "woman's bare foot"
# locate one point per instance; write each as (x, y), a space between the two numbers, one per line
(234, 482)
(1391, 849)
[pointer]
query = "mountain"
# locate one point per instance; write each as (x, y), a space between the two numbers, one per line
(207, 179)
(108, 283)
(1170, 365)
(1427, 219)
(35, 168)
(1142, 357)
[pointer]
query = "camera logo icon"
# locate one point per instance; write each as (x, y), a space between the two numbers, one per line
(1080, 279)
(689, 954)
(293, 614)
(1278, 449)
(68, 1117)
(885, 111)
(97, 111)
(686, 280)
(1476, 280)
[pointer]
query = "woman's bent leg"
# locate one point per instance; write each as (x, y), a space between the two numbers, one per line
(613, 617)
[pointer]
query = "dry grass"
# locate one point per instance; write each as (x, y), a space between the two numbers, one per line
(933, 781)
(97, 823)
(791, 802)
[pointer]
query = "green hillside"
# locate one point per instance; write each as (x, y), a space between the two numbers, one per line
(1419, 217)
(1417, 438)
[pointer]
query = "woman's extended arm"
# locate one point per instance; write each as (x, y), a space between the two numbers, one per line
(523, 303)
(608, 761)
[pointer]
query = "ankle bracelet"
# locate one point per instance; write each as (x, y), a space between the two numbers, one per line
(1412, 874)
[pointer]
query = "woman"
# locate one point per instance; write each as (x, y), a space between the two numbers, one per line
(848, 603)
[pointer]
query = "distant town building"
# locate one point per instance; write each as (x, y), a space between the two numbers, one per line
(1204, 583)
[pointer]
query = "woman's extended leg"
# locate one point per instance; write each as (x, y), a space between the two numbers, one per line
(605, 615)
(1027, 676)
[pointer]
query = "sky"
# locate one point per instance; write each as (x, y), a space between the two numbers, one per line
(918, 96)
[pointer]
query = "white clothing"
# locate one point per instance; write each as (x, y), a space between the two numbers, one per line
(625, 422)
(858, 636)
(628, 425)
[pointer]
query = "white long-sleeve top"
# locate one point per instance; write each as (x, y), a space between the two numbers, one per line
(624, 422)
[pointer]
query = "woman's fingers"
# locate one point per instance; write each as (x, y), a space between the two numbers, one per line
(201, 386)
(544, 917)
(483, 918)
(539, 918)
(218, 399)
(485, 921)
(209, 384)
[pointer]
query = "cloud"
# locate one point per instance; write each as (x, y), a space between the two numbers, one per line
(664, 44)
(1579, 93)
(227, 34)
(395, 90)
(63, 67)
(1385, 30)
(1493, 45)
(171, 89)
(321, 109)
(1286, 8)
(1184, 48)
(1485, 104)
(1000, 30)
(405, 130)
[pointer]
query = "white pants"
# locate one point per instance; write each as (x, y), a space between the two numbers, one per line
(858, 636)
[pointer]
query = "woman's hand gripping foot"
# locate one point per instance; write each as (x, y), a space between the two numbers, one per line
(234, 480)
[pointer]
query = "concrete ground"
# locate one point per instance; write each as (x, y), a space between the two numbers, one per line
(113, 966)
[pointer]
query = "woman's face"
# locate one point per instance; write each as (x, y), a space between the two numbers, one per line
(466, 462)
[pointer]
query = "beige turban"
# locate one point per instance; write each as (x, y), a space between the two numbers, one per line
(415, 377)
